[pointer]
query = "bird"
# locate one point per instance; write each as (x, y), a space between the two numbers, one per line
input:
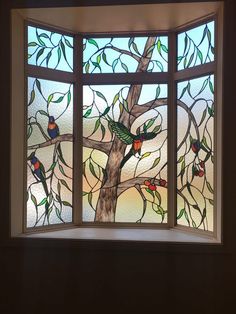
(53, 132)
(128, 138)
(39, 173)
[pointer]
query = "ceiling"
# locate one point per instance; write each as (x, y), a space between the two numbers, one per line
(121, 18)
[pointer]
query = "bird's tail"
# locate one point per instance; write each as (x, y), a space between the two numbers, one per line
(126, 158)
(46, 204)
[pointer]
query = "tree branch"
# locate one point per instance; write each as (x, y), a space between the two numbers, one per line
(138, 110)
(126, 52)
(102, 146)
(58, 139)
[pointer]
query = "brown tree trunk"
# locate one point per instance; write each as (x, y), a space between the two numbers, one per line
(106, 205)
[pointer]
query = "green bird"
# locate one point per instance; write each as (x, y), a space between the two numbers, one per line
(128, 138)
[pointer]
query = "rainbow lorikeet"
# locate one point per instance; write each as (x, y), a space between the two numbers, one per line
(39, 173)
(128, 138)
(53, 132)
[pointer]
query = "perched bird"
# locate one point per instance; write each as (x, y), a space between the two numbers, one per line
(53, 132)
(128, 138)
(39, 173)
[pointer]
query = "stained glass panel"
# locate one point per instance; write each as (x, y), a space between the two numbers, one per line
(50, 152)
(196, 46)
(195, 153)
(49, 49)
(117, 55)
(125, 153)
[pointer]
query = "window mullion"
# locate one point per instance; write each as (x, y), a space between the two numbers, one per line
(172, 127)
(78, 129)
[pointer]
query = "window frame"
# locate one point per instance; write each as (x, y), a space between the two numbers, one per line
(173, 76)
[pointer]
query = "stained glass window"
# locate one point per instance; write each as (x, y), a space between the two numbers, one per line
(195, 156)
(125, 153)
(50, 150)
(196, 46)
(117, 55)
(50, 49)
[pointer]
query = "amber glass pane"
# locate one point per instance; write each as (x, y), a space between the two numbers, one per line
(196, 46)
(195, 153)
(108, 55)
(49, 49)
(125, 153)
(50, 151)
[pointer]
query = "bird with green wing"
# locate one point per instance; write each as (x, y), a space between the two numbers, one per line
(123, 133)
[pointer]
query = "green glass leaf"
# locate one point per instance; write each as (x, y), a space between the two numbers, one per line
(44, 35)
(93, 42)
(211, 87)
(185, 43)
(40, 52)
(33, 198)
(44, 113)
(50, 97)
(114, 64)
(156, 162)
(211, 202)
(164, 48)
(125, 104)
(68, 97)
(29, 132)
(38, 84)
(99, 94)
(200, 56)
(87, 113)
(150, 123)
(43, 201)
(68, 43)
(32, 44)
(159, 46)
(209, 187)
(90, 198)
(97, 124)
(181, 212)
(32, 97)
(115, 98)
(209, 35)
(103, 131)
(87, 67)
(158, 91)
(124, 66)
(58, 100)
(160, 66)
(85, 193)
(58, 55)
(63, 182)
(91, 168)
(98, 59)
(190, 60)
(104, 57)
(150, 192)
(156, 129)
(131, 40)
(106, 111)
(134, 46)
(65, 203)
(48, 57)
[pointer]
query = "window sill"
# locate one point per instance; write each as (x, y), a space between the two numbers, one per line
(139, 235)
